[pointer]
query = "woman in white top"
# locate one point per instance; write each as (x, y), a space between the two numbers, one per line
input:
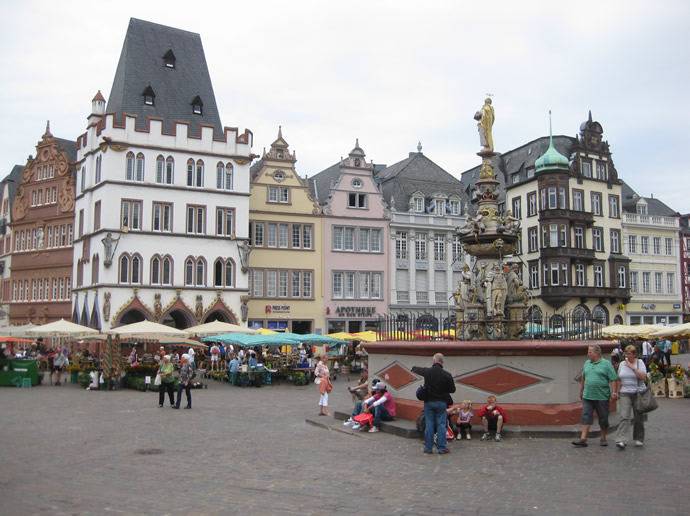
(631, 373)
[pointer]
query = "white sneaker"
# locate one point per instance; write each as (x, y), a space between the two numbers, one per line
(356, 426)
(639, 444)
(349, 422)
(469, 437)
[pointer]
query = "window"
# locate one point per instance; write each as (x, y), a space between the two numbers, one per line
(131, 215)
(564, 273)
(156, 271)
(196, 219)
(129, 172)
(517, 207)
(669, 246)
(598, 239)
(224, 176)
(601, 170)
(195, 173)
(530, 172)
(169, 59)
(148, 95)
(283, 235)
(257, 279)
(357, 200)
(621, 276)
(197, 105)
(533, 276)
(420, 247)
(533, 243)
(223, 273)
(96, 217)
(360, 285)
(124, 269)
(632, 244)
(564, 235)
(99, 164)
(454, 207)
(418, 204)
(553, 235)
(165, 170)
(457, 248)
(401, 245)
(82, 186)
(225, 221)
(579, 238)
(553, 199)
(515, 178)
(670, 283)
(615, 241)
(531, 204)
(578, 204)
(542, 203)
(135, 167)
(656, 245)
(634, 282)
(279, 194)
(307, 232)
(440, 248)
(598, 276)
(273, 235)
(658, 282)
(136, 269)
(613, 206)
(195, 272)
(562, 198)
(545, 276)
(586, 168)
(555, 279)
(258, 234)
(596, 203)
(580, 277)
(349, 239)
(644, 245)
(162, 217)
(646, 282)
(641, 209)
(81, 223)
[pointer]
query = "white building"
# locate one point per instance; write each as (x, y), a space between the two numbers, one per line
(162, 191)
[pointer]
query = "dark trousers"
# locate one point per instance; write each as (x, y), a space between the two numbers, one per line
(668, 357)
(170, 389)
(188, 390)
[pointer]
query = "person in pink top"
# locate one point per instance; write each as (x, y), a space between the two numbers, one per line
(382, 404)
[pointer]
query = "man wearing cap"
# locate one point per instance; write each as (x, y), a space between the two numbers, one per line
(439, 386)
(382, 404)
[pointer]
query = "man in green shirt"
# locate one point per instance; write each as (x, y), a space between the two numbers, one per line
(597, 383)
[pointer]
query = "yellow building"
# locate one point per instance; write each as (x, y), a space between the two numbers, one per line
(285, 253)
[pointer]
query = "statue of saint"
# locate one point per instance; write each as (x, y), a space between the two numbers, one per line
(511, 224)
(485, 118)
(464, 296)
(109, 247)
(499, 287)
(514, 283)
(480, 283)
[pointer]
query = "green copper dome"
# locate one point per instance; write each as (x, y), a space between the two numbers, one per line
(551, 159)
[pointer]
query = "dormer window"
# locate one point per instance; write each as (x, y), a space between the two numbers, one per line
(169, 59)
(197, 105)
(148, 95)
(357, 183)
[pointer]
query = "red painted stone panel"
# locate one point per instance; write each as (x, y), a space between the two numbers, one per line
(498, 380)
(397, 376)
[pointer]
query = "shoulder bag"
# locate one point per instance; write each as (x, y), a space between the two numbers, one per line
(644, 400)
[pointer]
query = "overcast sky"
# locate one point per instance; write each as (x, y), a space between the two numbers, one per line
(391, 73)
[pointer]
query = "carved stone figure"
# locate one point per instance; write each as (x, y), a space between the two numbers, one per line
(157, 306)
(199, 311)
(480, 282)
(514, 283)
(510, 224)
(465, 295)
(499, 286)
(485, 118)
(106, 306)
(467, 228)
(244, 307)
(479, 226)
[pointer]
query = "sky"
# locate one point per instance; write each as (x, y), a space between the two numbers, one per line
(389, 73)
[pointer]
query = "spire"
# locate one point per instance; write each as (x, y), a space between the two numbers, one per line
(280, 132)
(419, 146)
(551, 159)
(47, 133)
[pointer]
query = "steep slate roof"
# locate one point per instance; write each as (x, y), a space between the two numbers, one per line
(654, 206)
(69, 146)
(142, 65)
(417, 173)
(14, 178)
(320, 184)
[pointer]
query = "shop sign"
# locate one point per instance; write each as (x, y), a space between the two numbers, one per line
(278, 309)
(676, 306)
(359, 311)
(649, 306)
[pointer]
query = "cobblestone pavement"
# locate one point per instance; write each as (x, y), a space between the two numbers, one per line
(248, 450)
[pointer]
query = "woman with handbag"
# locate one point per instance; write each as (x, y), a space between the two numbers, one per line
(632, 374)
(323, 376)
(165, 371)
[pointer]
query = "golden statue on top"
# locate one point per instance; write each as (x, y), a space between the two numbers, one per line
(485, 118)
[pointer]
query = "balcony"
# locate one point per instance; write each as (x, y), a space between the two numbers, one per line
(403, 296)
(422, 298)
(650, 220)
(574, 253)
(557, 296)
(584, 217)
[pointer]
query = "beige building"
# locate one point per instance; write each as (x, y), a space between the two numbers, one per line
(285, 252)
(651, 241)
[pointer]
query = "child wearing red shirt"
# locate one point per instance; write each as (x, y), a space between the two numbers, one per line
(493, 418)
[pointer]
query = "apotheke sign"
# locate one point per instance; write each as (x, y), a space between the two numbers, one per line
(358, 311)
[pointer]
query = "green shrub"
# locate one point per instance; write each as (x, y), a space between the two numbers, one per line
(142, 370)
(84, 380)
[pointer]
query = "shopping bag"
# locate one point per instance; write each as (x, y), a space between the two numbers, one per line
(365, 418)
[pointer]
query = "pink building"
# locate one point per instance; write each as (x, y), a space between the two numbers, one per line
(355, 236)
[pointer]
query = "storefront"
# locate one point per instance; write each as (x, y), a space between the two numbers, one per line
(663, 314)
(352, 319)
(283, 318)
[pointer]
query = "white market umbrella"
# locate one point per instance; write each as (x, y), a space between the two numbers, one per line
(681, 331)
(147, 328)
(218, 328)
(61, 328)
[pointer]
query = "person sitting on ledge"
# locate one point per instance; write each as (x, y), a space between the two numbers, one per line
(359, 408)
(383, 406)
(359, 392)
(493, 418)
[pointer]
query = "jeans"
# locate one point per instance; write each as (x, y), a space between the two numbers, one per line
(435, 416)
(188, 391)
(626, 409)
(381, 413)
(358, 408)
(169, 388)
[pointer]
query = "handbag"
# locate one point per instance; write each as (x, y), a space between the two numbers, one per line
(365, 418)
(157, 381)
(421, 393)
(644, 402)
(317, 380)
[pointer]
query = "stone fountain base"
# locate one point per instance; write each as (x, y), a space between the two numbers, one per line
(536, 382)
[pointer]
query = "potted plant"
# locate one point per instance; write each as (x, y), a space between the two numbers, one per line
(74, 371)
(657, 381)
(676, 383)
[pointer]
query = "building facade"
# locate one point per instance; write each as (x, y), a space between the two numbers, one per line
(162, 192)
(425, 253)
(8, 187)
(355, 255)
(285, 282)
(42, 229)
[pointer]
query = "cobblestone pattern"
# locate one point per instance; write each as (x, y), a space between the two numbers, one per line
(66, 451)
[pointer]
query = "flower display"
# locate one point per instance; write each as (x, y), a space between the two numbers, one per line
(679, 374)
(654, 374)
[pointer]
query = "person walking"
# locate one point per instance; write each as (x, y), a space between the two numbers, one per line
(439, 385)
(165, 370)
(185, 382)
(631, 374)
(597, 384)
(323, 376)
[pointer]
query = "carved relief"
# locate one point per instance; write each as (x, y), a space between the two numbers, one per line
(106, 306)
(66, 195)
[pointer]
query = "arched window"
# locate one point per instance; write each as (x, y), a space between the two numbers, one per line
(155, 271)
(535, 315)
(124, 269)
(600, 315)
(189, 272)
(580, 314)
(136, 269)
(218, 273)
(160, 169)
(200, 272)
(229, 273)
(224, 176)
(94, 269)
(129, 175)
(190, 172)
(140, 167)
(167, 271)
(223, 273)
(199, 174)
(169, 171)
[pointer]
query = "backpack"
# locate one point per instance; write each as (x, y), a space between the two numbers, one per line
(214, 351)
